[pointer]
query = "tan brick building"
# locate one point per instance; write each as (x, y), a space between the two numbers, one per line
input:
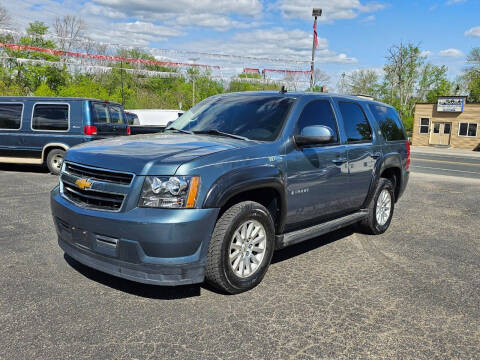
(449, 122)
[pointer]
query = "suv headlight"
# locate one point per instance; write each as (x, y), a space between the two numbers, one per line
(169, 192)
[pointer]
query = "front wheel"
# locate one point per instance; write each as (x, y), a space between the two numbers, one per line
(55, 160)
(241, 248)
(380, 210)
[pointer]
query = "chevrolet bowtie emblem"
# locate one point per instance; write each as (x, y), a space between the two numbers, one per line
(83, 184)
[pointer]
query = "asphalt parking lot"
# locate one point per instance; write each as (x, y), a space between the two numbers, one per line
(413, 292)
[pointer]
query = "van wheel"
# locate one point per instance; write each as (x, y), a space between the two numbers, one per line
(55, 161)
(241, 248)
(380, 210)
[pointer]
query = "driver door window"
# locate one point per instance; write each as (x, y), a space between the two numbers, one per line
(318, 112)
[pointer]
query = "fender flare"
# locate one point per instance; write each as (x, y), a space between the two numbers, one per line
(387, 161)
(237, 181)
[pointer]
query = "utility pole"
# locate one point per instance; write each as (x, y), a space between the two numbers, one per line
(315, 13)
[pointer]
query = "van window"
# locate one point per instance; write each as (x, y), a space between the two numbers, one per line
(388, 121)
(100, 113)
(52, 117)
(10, 116)
(355, 123)
(318, 112)
(116, 116)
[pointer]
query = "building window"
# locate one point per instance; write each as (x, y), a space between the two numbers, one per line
(467, 129)
(50, 117)
(424, 125)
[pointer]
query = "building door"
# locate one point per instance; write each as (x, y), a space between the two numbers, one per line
(440, 133)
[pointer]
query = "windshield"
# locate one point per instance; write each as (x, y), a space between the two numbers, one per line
(251, 116)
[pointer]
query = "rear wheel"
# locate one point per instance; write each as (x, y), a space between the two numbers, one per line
(55, 160)
(380, 210)
(241, 248)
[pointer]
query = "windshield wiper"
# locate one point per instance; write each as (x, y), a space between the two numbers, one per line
(220, 133)
(180, 130)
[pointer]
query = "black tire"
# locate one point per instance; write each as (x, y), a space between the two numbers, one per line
(55, 160)
(370, 225)
(218, 271)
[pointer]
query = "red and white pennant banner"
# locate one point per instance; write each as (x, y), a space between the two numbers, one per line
(56, 52)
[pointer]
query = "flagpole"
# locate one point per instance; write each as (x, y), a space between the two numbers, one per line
(315, 13)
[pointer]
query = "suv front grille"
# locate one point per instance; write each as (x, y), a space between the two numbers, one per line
(104, 190)
(93, 199)
(98, 174)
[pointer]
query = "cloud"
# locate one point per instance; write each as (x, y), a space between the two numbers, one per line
(453, 2)
(426, 53)
(215, 14)
(136, 33)
(369, 18)
(332, 10)
(450, 53)
(275, 43)
(96, 10)
(217, 22)
(473, 32)
(132, 7)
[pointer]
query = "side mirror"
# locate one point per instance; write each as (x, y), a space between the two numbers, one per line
(314, 135)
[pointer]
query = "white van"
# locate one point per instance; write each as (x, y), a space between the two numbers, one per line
(156, 117)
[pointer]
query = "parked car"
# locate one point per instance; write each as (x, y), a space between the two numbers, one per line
(235, 178)
(150, 121)
(38, 130)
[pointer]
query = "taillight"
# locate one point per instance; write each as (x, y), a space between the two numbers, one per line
(90, 130)
(129, 131)
(407, 166)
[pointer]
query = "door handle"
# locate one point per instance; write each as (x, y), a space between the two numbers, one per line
(375, 155)
(339, 161)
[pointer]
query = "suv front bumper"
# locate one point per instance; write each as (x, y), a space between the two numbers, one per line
(152, 246)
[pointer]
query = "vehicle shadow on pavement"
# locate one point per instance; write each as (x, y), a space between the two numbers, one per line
(186, 291)
(134, 288)
(312, 244)
(24, 168)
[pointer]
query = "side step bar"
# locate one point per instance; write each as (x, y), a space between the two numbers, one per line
(298, 236)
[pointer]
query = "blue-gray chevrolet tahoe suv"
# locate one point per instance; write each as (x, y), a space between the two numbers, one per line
(236, 177)
(38, 130)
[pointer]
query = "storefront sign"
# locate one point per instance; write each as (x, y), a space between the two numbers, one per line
(450, 104)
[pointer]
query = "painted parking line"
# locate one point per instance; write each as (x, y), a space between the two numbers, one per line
(433, 168)
(446, 162)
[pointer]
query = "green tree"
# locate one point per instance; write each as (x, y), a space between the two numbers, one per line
(29, 76)
(363, 82)
(471, 75)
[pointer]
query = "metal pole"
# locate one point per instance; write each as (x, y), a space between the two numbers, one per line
(121, 80)
(193, 92)
(312, 68)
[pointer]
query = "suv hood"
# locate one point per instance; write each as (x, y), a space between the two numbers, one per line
(157, 154)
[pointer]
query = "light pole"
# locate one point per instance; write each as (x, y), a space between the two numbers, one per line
(193, 80)
(315, 13)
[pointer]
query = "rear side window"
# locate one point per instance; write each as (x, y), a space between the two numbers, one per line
(355, 122)
(53, 117)
(10, 116)
(100, 113)
(318, 112)
(388, 121)
(116, 115)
